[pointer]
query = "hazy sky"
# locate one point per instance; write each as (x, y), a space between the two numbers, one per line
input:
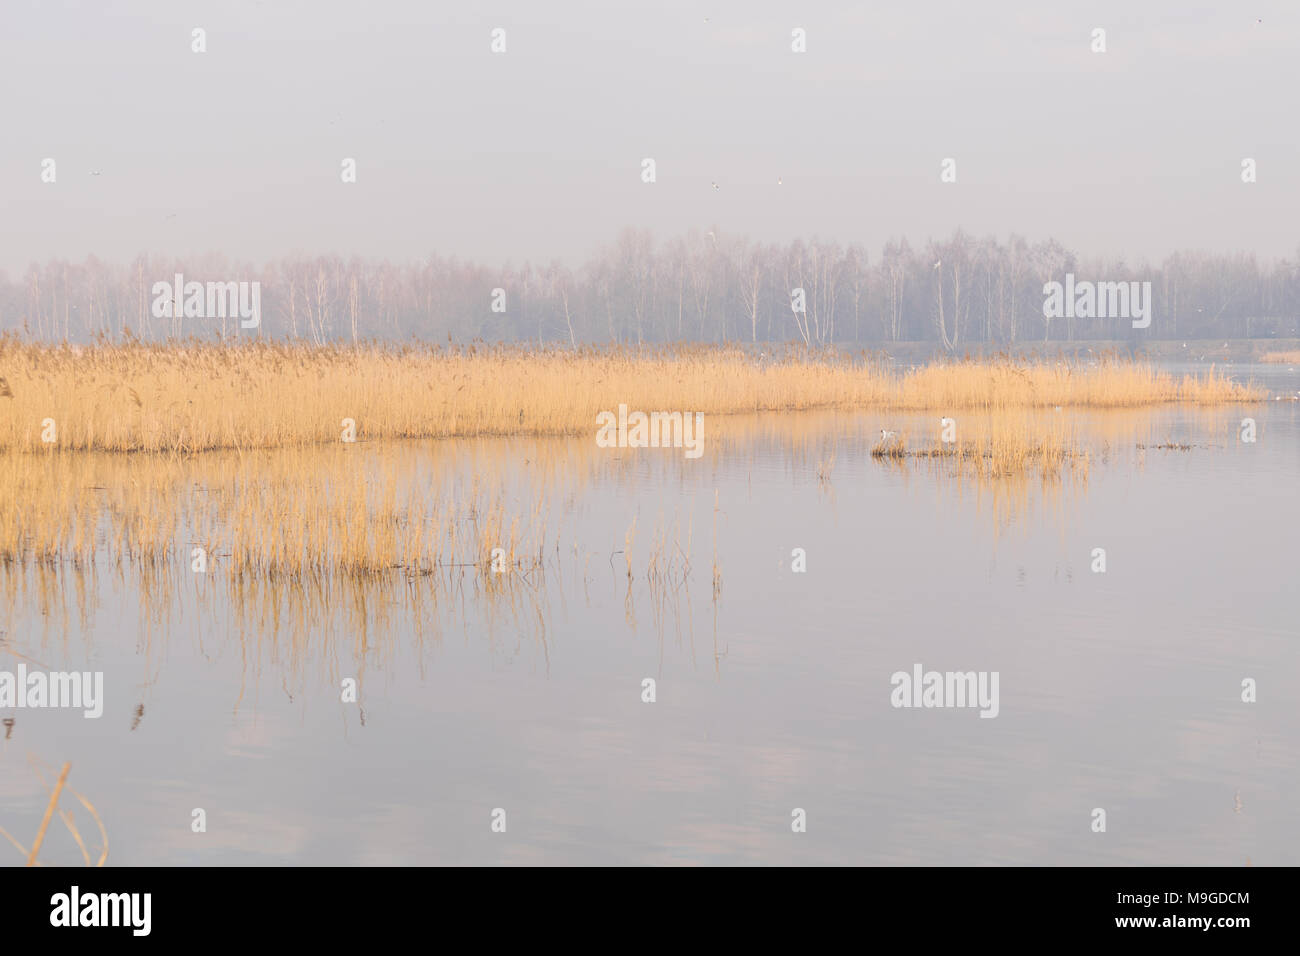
(535, 153)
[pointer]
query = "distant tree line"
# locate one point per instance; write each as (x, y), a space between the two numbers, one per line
(705, 286)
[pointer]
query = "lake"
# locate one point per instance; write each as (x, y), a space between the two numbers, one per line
(523, 692)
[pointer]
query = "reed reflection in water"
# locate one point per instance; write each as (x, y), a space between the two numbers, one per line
(521, 688)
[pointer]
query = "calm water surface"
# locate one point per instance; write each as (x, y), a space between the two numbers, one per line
(1118, 690)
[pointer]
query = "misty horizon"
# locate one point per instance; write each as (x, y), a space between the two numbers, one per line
(704, 286)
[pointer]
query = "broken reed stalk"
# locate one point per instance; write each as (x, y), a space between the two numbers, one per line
(49, 812)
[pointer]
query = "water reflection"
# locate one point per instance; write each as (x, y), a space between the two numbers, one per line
(521, 687)
(412, 539)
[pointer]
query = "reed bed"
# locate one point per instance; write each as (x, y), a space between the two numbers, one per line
(317, 551)
(1002, 445)
(1281, 358)
(417, 509)
(187, 397)
(235, 451)
(290, 514)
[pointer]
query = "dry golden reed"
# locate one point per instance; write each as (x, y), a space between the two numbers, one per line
(190, 396)
(1002, 445)
(1281, 358)
(69, 821)
(291, 514)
